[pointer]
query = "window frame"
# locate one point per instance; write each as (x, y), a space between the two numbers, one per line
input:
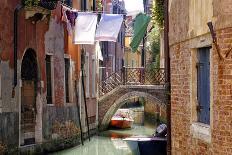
(70, 80)
(52, 78)
(87, 91)
(93, 76)
(203, 76)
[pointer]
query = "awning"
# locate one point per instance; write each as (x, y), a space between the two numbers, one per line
(140, 27)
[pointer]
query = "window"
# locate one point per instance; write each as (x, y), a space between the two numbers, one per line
(48, 60)
(67, 75)
(93, 76)
(87, 74)
(67, 2)
(132, 63)
(83, 5)
(203, 85)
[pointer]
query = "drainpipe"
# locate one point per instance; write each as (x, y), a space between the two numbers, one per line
(94, 5)
(167, 75)
(16, 11)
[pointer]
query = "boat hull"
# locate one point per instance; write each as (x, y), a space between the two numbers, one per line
(147, 145)
(122, 124)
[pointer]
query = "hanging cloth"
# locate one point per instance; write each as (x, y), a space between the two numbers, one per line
(85, 27)
(69, 16)
(140, 26)
(98, 51)
(109, 27)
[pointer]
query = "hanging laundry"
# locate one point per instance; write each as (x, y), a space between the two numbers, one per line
(109, 27)
(69, 16)
(98, 51)
(140, 27)
(85, 27)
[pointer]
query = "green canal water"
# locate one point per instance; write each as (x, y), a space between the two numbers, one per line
(109, 142)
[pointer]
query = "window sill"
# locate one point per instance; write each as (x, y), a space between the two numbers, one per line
(201, 131)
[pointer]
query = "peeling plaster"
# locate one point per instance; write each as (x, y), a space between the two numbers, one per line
(54, 44)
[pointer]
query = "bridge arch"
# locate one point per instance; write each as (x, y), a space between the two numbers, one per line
(121, 101)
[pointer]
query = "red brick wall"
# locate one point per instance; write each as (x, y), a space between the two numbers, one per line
(183, 141)
(222, 108)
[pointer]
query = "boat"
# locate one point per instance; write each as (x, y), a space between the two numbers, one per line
(122, 119)
(149, 145)
(121, 122)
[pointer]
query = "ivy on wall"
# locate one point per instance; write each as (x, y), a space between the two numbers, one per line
(99, 5)
(30, 3)
(158, 12)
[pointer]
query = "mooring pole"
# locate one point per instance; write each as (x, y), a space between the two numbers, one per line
(83, 87)
(78, 113)
(167, 75)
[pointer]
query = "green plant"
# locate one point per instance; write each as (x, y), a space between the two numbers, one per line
(158, 12)
(30, 3)
(99, 5)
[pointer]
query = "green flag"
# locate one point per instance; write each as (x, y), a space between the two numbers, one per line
(140, 26)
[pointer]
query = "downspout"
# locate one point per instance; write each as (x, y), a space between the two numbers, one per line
(94, 5)
(16, 11)
(167, 75)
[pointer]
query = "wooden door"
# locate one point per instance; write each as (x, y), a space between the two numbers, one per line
(28, 111)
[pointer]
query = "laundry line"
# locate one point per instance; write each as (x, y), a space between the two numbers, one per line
(88, 11)
(85, 28)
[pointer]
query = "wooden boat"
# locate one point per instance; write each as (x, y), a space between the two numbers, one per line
(147, 145)
(121, 122)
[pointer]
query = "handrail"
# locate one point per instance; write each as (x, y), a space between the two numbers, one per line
(132, 76)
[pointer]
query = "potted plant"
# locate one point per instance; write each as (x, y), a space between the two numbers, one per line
(49, 4)
(30, 3)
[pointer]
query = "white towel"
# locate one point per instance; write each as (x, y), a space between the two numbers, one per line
(98, 51)
(85, 27)
(109, 27)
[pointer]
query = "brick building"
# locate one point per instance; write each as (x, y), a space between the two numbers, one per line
(201, 115)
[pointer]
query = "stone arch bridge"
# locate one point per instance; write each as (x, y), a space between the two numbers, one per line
(126, 84)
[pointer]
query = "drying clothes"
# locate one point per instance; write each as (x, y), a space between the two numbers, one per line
(109, 27)
(98, 51)
(140, 27)
(85, 27)
(69, 16)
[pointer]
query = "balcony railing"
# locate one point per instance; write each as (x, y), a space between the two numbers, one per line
(132, 76)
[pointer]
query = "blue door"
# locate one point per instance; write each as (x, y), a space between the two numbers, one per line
(203, 85)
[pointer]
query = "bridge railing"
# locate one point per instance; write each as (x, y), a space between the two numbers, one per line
(132, 76)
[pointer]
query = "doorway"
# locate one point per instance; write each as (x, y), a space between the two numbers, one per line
(29, 76)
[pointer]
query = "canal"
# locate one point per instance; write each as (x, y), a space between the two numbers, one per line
(109, 142)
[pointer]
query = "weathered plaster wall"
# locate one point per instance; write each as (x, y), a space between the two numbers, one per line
(178, 21)
(46, 36)
(54, 44)
(53, 114)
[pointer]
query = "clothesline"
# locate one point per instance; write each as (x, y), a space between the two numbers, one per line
(87, 11)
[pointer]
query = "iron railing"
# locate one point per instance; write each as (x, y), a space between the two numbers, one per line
(132, 76)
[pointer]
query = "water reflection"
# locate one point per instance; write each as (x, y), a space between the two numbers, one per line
(108, 143)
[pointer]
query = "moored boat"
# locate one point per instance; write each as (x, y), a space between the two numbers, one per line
(121, 122)
(149, 145)
(122, 119)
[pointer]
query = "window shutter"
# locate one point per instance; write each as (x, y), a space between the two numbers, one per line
(203, 86)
